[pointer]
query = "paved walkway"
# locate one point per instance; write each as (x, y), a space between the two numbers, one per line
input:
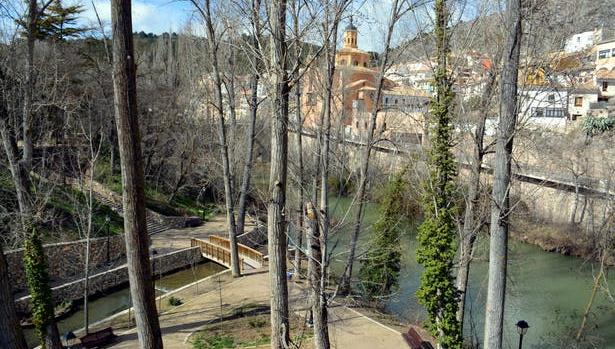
(348, 328)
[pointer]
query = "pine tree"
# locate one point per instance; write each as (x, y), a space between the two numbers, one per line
(379, 271)
(58, 22)
(437, 234)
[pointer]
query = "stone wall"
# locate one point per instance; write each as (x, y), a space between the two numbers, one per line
(115, 277)
(67, 259)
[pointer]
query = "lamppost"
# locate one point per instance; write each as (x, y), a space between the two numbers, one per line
(522, 327)
(107, 221)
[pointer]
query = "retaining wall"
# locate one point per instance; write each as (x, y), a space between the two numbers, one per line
(66, 260)
(115, 277)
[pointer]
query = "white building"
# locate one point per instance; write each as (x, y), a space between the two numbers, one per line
(544, 106)
(582, 41)
(580, 100)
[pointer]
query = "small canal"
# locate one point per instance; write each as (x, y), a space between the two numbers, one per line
(114, 302)
(548, 290)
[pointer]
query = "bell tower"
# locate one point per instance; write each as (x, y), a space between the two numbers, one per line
(350, 35)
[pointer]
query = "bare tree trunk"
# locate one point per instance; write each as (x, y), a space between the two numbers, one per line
(247, 170)
(129, 139)
(344, 285)
(592, 297)
(317, 292)
(471, 223)
(11, 335)
(276, 215)
(299, 139)
(500, 209)
(226, 167)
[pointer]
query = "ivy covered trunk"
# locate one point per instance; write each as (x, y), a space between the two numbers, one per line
(41, 301)
(437, 234)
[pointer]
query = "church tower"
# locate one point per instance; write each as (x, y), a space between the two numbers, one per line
(350, 35)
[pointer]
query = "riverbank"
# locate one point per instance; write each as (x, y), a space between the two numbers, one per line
(565, 240)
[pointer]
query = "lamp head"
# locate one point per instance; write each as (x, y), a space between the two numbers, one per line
(522, 327)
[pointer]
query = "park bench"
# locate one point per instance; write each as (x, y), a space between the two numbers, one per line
(414, 340)
(98, 338)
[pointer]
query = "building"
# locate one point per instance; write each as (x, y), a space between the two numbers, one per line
(544, 105)
(354, 95)
(582, 41)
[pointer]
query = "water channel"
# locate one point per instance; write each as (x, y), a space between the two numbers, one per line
(548, 290)
(119, 300)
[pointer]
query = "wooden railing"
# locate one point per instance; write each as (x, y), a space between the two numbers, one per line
(244, 251)
(215, 252)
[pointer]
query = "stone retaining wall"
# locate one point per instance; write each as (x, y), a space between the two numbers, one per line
(115, 277)
(67, 259)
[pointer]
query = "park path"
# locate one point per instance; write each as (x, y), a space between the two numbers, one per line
(348, 328)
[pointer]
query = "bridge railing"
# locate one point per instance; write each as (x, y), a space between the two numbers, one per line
(244, 251)
(215, 252)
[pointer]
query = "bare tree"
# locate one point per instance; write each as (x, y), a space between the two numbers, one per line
(276, 208)
(398, 9)
(133, 183)
(500, 209)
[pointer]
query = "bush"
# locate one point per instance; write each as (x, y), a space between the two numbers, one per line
(175, 302)
(257, 323)
(213, 342)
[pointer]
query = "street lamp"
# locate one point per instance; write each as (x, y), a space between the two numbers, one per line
(522, 327)
(107, 221)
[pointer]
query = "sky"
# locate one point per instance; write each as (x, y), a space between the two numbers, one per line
(158, 16)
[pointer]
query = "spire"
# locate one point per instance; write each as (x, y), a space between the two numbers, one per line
(351, 26)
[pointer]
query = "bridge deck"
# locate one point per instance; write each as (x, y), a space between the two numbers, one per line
(217, 248)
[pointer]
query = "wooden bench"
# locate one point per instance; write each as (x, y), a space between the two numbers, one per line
(98, 338)
(414, 340)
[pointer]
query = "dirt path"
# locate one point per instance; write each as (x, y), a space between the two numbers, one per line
(348, 328)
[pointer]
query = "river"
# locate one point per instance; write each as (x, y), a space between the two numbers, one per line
(548, 290)
(119, 300)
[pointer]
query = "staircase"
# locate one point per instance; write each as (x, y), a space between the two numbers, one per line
(114, 201)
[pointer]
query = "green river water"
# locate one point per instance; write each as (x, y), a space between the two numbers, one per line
(119, 300)
(548, 290)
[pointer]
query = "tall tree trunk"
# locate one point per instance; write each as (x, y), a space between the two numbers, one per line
(276, 215)
(500, 209)
(345, 280)
(247, 169)
(317, 292)
(226, 166)
(471, 222)
(299, 143)
(11, 335)
(133, 183)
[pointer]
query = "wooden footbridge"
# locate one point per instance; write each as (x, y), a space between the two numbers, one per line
(218, 249)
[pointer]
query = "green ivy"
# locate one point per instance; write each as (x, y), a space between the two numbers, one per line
(437, 234)
(35, 265)
(379, 271)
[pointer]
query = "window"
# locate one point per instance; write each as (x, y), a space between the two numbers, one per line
(603, 54)
(578, 101)
(551, 98)
(554, 112)
(605, 86)
(343, 62)
(356, 63)
(538, 112)
(365, 64)
(613, 53)
(386, 100)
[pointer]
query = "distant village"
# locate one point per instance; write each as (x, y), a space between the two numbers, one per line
(565, 87)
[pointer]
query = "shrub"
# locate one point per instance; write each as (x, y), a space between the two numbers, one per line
(174, 301)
